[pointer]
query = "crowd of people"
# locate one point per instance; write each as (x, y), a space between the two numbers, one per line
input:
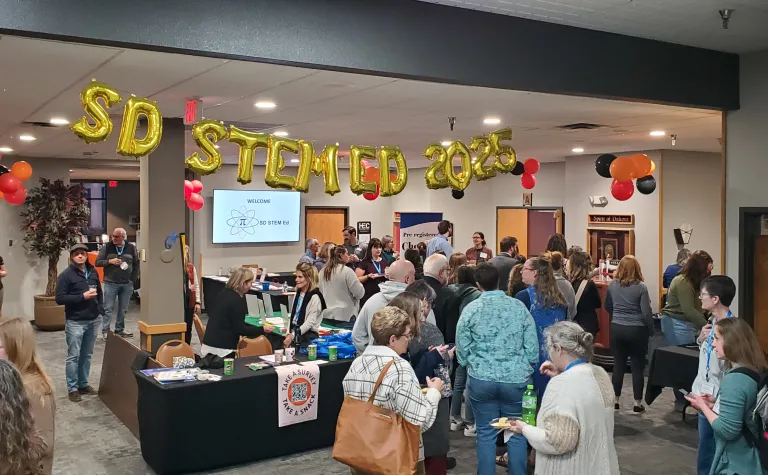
(454, 340)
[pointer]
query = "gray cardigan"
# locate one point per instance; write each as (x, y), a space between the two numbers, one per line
(342, 293)
(629, 305)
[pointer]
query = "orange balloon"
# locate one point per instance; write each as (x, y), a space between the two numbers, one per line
(371, 175)
(1, 196)
(653, 168)
(642, 165)
(392, 177)
(623, 169)
(21, 170)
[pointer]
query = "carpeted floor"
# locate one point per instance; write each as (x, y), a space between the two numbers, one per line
(91, 441)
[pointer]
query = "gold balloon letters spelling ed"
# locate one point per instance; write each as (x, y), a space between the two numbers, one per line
(127, 144)
(206, 133)
(102, 124)
(276, 162)
(248, 142)
(387, 186)
(358, 153)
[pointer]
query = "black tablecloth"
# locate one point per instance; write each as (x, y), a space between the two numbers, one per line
(201, 426)
(212, 287)
(671, 366)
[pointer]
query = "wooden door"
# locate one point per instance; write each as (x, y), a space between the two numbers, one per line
(760, 290)
(542, 223)
(512, 222)
(324, 224)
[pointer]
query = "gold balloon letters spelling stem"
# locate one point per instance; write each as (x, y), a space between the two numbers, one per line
(248, 142)
(326, 164)
(206, 133)
(128, 145)
(387, 186)
(276, 162)
(102, 124)
(358, 153)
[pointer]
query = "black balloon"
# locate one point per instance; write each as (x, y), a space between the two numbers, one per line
(603, 164)
(519, 168)
(457, 195)
(3, 170)
(646, 185)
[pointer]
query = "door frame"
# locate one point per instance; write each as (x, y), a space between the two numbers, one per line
(540, 208)
(746, 257)
(307, 208)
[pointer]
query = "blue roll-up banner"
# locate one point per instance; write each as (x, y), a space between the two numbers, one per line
(417, 227)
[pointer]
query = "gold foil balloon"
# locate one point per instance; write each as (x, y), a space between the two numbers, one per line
(326, 164)
(102, 127)
(128, 144)
(482, 146)
(248, 142)
(435, 174)
(653, 167)
(276, 162)
(358, 153)
(459, 181)
(388, 187)
(501, 150)
(206, 133)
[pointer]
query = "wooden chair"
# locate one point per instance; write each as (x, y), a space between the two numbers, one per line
(172, 348)
(199, 327)
(259, 346)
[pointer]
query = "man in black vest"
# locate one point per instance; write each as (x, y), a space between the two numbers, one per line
(121, 269)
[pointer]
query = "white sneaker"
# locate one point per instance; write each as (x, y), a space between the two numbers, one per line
(457, 424)
(470, 430)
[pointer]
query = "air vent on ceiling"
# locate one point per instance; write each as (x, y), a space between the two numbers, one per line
(580, 126)
(89, 154)
(39, 124)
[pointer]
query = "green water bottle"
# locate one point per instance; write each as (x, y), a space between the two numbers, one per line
(529, 406)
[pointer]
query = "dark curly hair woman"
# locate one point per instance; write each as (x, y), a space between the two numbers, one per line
(21, 447)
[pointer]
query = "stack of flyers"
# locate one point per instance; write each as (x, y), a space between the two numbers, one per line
(258, 365)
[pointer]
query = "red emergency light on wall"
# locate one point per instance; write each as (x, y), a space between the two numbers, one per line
(193, 110)
(112, 183)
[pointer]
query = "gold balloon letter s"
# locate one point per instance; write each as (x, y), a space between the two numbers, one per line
(358, 153)
(128, 144)
(102, 127)
(387, 187)
(206, 133)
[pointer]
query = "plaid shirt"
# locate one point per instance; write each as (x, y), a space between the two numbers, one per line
(399, 391)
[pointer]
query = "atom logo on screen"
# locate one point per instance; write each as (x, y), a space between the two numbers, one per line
(243, 222)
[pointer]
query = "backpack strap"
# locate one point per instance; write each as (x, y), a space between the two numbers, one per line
(748, 435)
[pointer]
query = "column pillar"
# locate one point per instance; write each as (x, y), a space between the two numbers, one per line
(162, 214)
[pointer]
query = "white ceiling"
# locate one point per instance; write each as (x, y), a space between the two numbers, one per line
(686, 22)
(43, 79)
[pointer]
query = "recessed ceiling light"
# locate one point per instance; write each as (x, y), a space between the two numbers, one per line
(577, 150)
(59, 121)
(491, 121)
(281, 133)
(658, 133)
(265, 105)
(216, 146)
(446, 143)
(6, 149)
(295, 160)
(26, 138)
(71, 171)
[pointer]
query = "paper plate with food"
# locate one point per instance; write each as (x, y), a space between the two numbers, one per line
(503, 423)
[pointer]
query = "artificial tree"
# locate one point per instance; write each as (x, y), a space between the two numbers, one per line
(54, 217)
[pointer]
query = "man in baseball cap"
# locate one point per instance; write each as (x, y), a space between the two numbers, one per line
(78, 288)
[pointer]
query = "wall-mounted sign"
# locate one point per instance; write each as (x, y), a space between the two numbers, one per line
(364, 231)
(627, 219)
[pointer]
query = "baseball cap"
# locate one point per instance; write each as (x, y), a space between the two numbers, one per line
(78, 247)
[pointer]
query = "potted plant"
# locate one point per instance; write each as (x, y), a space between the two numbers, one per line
(55, 215)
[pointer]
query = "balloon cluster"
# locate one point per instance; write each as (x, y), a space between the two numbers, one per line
(192, 196)
(623, 170)
(530, 167)
(11, 187)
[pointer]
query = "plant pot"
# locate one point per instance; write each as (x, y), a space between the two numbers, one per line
(48, 315)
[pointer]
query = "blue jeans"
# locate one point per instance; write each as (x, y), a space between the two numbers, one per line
(459, 387)
(706, 454)
(678, 331)
(489, 401)
(123, 293)
(81, 336)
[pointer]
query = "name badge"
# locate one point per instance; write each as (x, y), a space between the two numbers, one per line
(124, 266)
(716, 407)
(708, 388)
(483, 255)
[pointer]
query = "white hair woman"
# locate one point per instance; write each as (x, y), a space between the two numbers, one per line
(574, 428)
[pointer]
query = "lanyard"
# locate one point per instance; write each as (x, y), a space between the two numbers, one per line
(120, 250)
(86, 274)
(298, 308)
(709, 344)
(377, 266)
(577, 362)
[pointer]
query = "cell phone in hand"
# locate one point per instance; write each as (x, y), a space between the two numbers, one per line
(451, 346)
(684, 392)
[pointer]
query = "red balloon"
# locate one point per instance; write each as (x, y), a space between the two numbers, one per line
(188, 189)
(372, 196)
(18, 197)
(197, 186)
(528, 181)
(195, 202)
(9, 184)
(531, 166)
(622, 190)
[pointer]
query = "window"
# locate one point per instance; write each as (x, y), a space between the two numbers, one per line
(95, 194)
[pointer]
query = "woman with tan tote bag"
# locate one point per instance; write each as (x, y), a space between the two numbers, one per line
(385, 410)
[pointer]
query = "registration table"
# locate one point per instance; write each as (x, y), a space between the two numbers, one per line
(205, 425)
(672, 367)
(212, 285)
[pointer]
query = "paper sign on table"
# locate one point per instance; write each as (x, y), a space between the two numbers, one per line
(297, 393)
(284, 310)
(252, 302)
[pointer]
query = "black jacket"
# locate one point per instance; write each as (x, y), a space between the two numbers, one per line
(450, 301)
(115, 274)
(226, 321)
(70, 287)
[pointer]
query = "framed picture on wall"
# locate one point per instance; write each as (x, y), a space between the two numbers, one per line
(527, 199)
